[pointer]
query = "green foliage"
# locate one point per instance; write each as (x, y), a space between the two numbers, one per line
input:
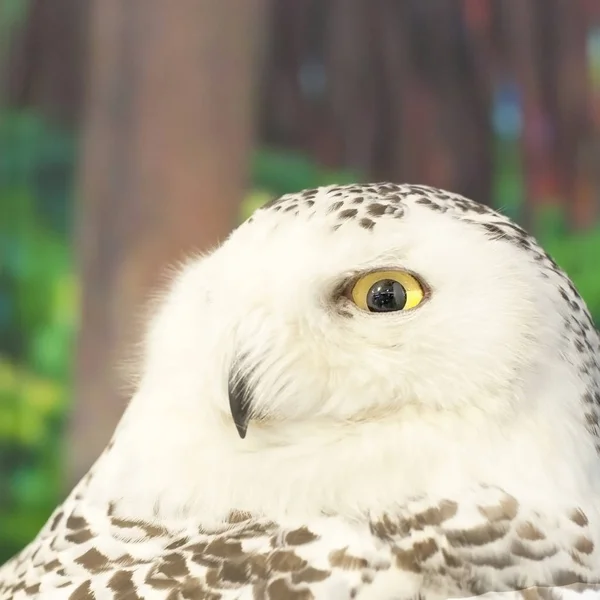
(37, 320)
(275, 172)
(285, 172)
(12, 14)
(507, 182)
(577, 253)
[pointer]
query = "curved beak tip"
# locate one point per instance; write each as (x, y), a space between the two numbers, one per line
(239, 401)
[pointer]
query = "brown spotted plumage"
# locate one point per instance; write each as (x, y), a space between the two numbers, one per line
(84, 555)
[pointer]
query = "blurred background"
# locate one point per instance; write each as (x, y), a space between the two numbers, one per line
(133, 132)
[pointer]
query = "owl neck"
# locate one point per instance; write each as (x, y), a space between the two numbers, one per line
(176, 463)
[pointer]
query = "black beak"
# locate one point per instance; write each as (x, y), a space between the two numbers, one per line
(240, 400)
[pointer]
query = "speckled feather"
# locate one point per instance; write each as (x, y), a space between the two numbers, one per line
(423, 548)
(428, 547)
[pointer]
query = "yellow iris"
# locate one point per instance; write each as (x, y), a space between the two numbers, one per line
(387, 291)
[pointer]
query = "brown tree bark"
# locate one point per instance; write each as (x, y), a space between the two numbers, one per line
(45, 59)
(167, 136)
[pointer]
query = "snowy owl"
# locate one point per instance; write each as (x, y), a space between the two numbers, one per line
(378, 392)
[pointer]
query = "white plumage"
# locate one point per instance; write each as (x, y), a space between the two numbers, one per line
(446, 450)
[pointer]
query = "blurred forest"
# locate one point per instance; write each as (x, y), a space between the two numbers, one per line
(133, 132)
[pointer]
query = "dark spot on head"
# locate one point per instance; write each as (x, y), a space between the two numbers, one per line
(93, 560)
(53, 565)
(494, 230)
(271, 203)
(83, 592)
(56, 520)
(376, 209)
(366, 223)
(122, 584)
(32, 590)
(74, 522)
(80, 536)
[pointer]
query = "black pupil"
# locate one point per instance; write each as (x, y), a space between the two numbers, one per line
(385, 296)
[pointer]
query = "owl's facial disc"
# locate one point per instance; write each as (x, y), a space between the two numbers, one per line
(383, 290)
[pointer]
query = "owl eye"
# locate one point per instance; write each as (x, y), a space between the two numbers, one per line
(387, 291)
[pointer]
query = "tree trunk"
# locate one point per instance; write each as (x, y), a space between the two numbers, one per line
(167, 135)
(46, 59)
